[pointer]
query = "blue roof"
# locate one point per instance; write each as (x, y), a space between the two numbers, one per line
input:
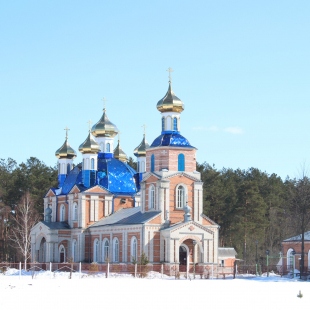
(128, 216)
(116, 176)
(171, 139)
(73, 178)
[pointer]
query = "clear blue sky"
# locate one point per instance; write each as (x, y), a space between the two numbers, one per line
(242, 69)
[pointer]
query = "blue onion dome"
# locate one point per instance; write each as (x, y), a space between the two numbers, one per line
(140, 150)
(116, 176)
(119, 153)
(171, 139)
(48, 211)
(104, 128)
(89, 146)
(170, 102)
(65, 151)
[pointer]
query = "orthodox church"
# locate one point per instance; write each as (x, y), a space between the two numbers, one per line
(103, 210)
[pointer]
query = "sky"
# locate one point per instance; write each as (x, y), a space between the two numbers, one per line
(240, 67)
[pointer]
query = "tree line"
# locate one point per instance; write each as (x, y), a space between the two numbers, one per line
(255, 210)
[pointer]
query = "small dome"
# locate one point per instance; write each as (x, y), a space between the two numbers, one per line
(48, 211)
(170, 102)
(140, 150)
(104, 128)
(119, 153)
(171, 139)
(65, 151)
(89, 146)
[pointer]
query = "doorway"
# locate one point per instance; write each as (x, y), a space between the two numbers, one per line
(183, 255)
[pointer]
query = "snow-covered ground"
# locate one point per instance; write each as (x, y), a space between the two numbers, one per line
(56, 291)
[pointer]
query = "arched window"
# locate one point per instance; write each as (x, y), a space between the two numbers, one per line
(152, 163)
(74, 251)
(163, 124)
(175, 124)
(151, 196)
(115, 250)
(105, 250)
(96, 251)
(181, 162)
(142, 166)
(101, 147)
(180, 197)
(134, 249)
(108, 148)
(92, 164)
(62, 213)
(62, 254)
(68, 168)
(290, 259)
(168, 123)
(75, 212)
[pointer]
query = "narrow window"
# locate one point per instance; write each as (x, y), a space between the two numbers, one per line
(115, 250)
(96, 250)
(62, 213)
(152, 197)
(75, 212)
(180, 197)
(181, 162)
(134, 249)
(62, 254)
(108, 148)
(152, 163)
(105, 254)
(92, 161)
(68, 168)
(175, 124)
(163, 124)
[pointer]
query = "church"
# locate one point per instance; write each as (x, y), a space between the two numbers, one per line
(105, 211)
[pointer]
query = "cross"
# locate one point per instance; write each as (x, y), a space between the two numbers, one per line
(170, 70)
(66, 129)
(89, 124)
(144, 128)
(104, 102)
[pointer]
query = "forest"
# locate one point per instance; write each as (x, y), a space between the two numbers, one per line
(255, 210)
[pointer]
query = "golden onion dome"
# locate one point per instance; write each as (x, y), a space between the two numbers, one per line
(140, 150)
(89, 146)
(119, 153)
(170, 102)
(65, 151)
(104, 128)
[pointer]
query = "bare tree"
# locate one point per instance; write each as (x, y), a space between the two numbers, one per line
(24, 218)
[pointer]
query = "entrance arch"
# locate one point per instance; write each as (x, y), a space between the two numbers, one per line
(62, 254)
(42, 251)
(183, 254)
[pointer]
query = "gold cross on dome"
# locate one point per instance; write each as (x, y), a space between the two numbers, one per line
(89, 124)
(66, 129)
(170, 71)
(144, 128)
(104, 100)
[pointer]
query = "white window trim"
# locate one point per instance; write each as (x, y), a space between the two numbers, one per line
(96, 251)
(115, 253)
(104, 256)
(152, 197)
(177, 195)
(134, 249)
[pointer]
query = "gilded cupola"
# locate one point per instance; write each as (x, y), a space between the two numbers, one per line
(170, 102)
(104, 128)
(119, 153)
(66, 151)
(140, 150)
(89, 146)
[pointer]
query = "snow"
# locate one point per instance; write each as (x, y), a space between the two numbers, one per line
(48, 290)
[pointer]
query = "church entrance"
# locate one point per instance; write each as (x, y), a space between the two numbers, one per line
(183, 255)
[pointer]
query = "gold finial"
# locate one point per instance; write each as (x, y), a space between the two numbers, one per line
(104, 103)
(89, 125)
(66, 129)
(170, 71)
(144, 128)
